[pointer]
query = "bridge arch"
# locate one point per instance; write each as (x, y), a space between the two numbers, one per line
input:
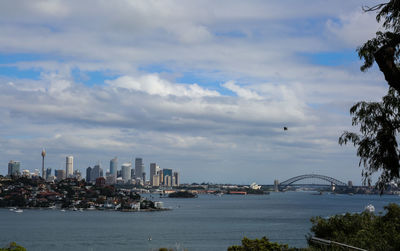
(312, 176)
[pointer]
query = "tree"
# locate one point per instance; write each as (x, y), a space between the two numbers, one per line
(365, 230)
(262, 244)
(379, 121)
(13, 247)
(377, 145)
(384, 48)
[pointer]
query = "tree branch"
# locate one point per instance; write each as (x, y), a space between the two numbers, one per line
(385, 58)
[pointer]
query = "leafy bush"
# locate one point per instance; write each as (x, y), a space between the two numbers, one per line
(262, 244)
(365, 230)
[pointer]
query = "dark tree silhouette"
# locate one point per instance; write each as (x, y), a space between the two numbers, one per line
(380, 121)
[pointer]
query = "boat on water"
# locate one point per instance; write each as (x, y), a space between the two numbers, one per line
(62, 210)
(19, 211)
(369, 208)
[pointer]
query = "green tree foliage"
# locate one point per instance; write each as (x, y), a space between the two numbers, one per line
(377, 144)
(364, 230)
(379, 121)
(262, 244)
(13, 247)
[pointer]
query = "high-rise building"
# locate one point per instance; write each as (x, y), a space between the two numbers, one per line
(13, 167)
(69, 166)
(97, 172)
(153, 171)
(139, 168)
(166, 172)
(60, 174)
(48, 173)
(132, 173)
(168, 180)
(161, 176)
(176, 179)
(155, 180)
(114, 166)
(88, 174)
(126, 172)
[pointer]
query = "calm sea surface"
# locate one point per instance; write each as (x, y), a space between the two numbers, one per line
(205, 223)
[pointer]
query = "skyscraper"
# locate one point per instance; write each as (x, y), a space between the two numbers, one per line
(126, 172)
(60, 174)
(69, 166)
(114, 166)
(97, 172)
(88, 174)
(48, 173)
(153, 171)
(139, 168)
(167, 172)
(176, 179)
(13, 167)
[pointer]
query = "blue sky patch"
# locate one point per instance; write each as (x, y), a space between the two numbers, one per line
(91, 78)
(331, 58)
(15, 72)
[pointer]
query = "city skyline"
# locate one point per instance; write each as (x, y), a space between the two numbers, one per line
(198, 86)
(95, 171)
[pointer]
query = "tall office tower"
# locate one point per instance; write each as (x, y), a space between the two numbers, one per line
(69, 166)
(97, 172)
(13, 167)
(114, 166)
(139, 168)
(161, 176)
(155, 182)
(132, 173)
(153, 171)
(43, 155)
(126, 172)
(167, 181)
(167, 172)
(60, 174)
(48, 173)
(88, 174)
(144, 178)
(176, 179)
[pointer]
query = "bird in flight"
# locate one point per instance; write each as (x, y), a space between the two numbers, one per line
(285, 128)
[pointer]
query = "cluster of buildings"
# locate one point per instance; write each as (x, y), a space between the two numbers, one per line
(127, 174)
(21, 192)
(135, 175)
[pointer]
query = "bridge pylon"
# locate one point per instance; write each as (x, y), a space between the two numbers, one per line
(276, 185)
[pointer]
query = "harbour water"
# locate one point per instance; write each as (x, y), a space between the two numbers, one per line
(205, 223)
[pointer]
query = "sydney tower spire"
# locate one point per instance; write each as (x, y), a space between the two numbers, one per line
(43, 155)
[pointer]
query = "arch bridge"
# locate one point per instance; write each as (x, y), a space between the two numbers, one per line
(311, 176)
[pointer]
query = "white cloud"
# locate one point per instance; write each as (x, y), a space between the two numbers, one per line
(241, 92)
(353, 28)
(197, 128)
(152, 84)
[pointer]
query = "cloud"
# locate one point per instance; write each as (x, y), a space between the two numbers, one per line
(153, 85)
(353, 28)
(180, 115)
(241, 92)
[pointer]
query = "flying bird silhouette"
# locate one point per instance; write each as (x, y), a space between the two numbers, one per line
(285, 128)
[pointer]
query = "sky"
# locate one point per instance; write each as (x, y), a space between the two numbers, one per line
(202, 87)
